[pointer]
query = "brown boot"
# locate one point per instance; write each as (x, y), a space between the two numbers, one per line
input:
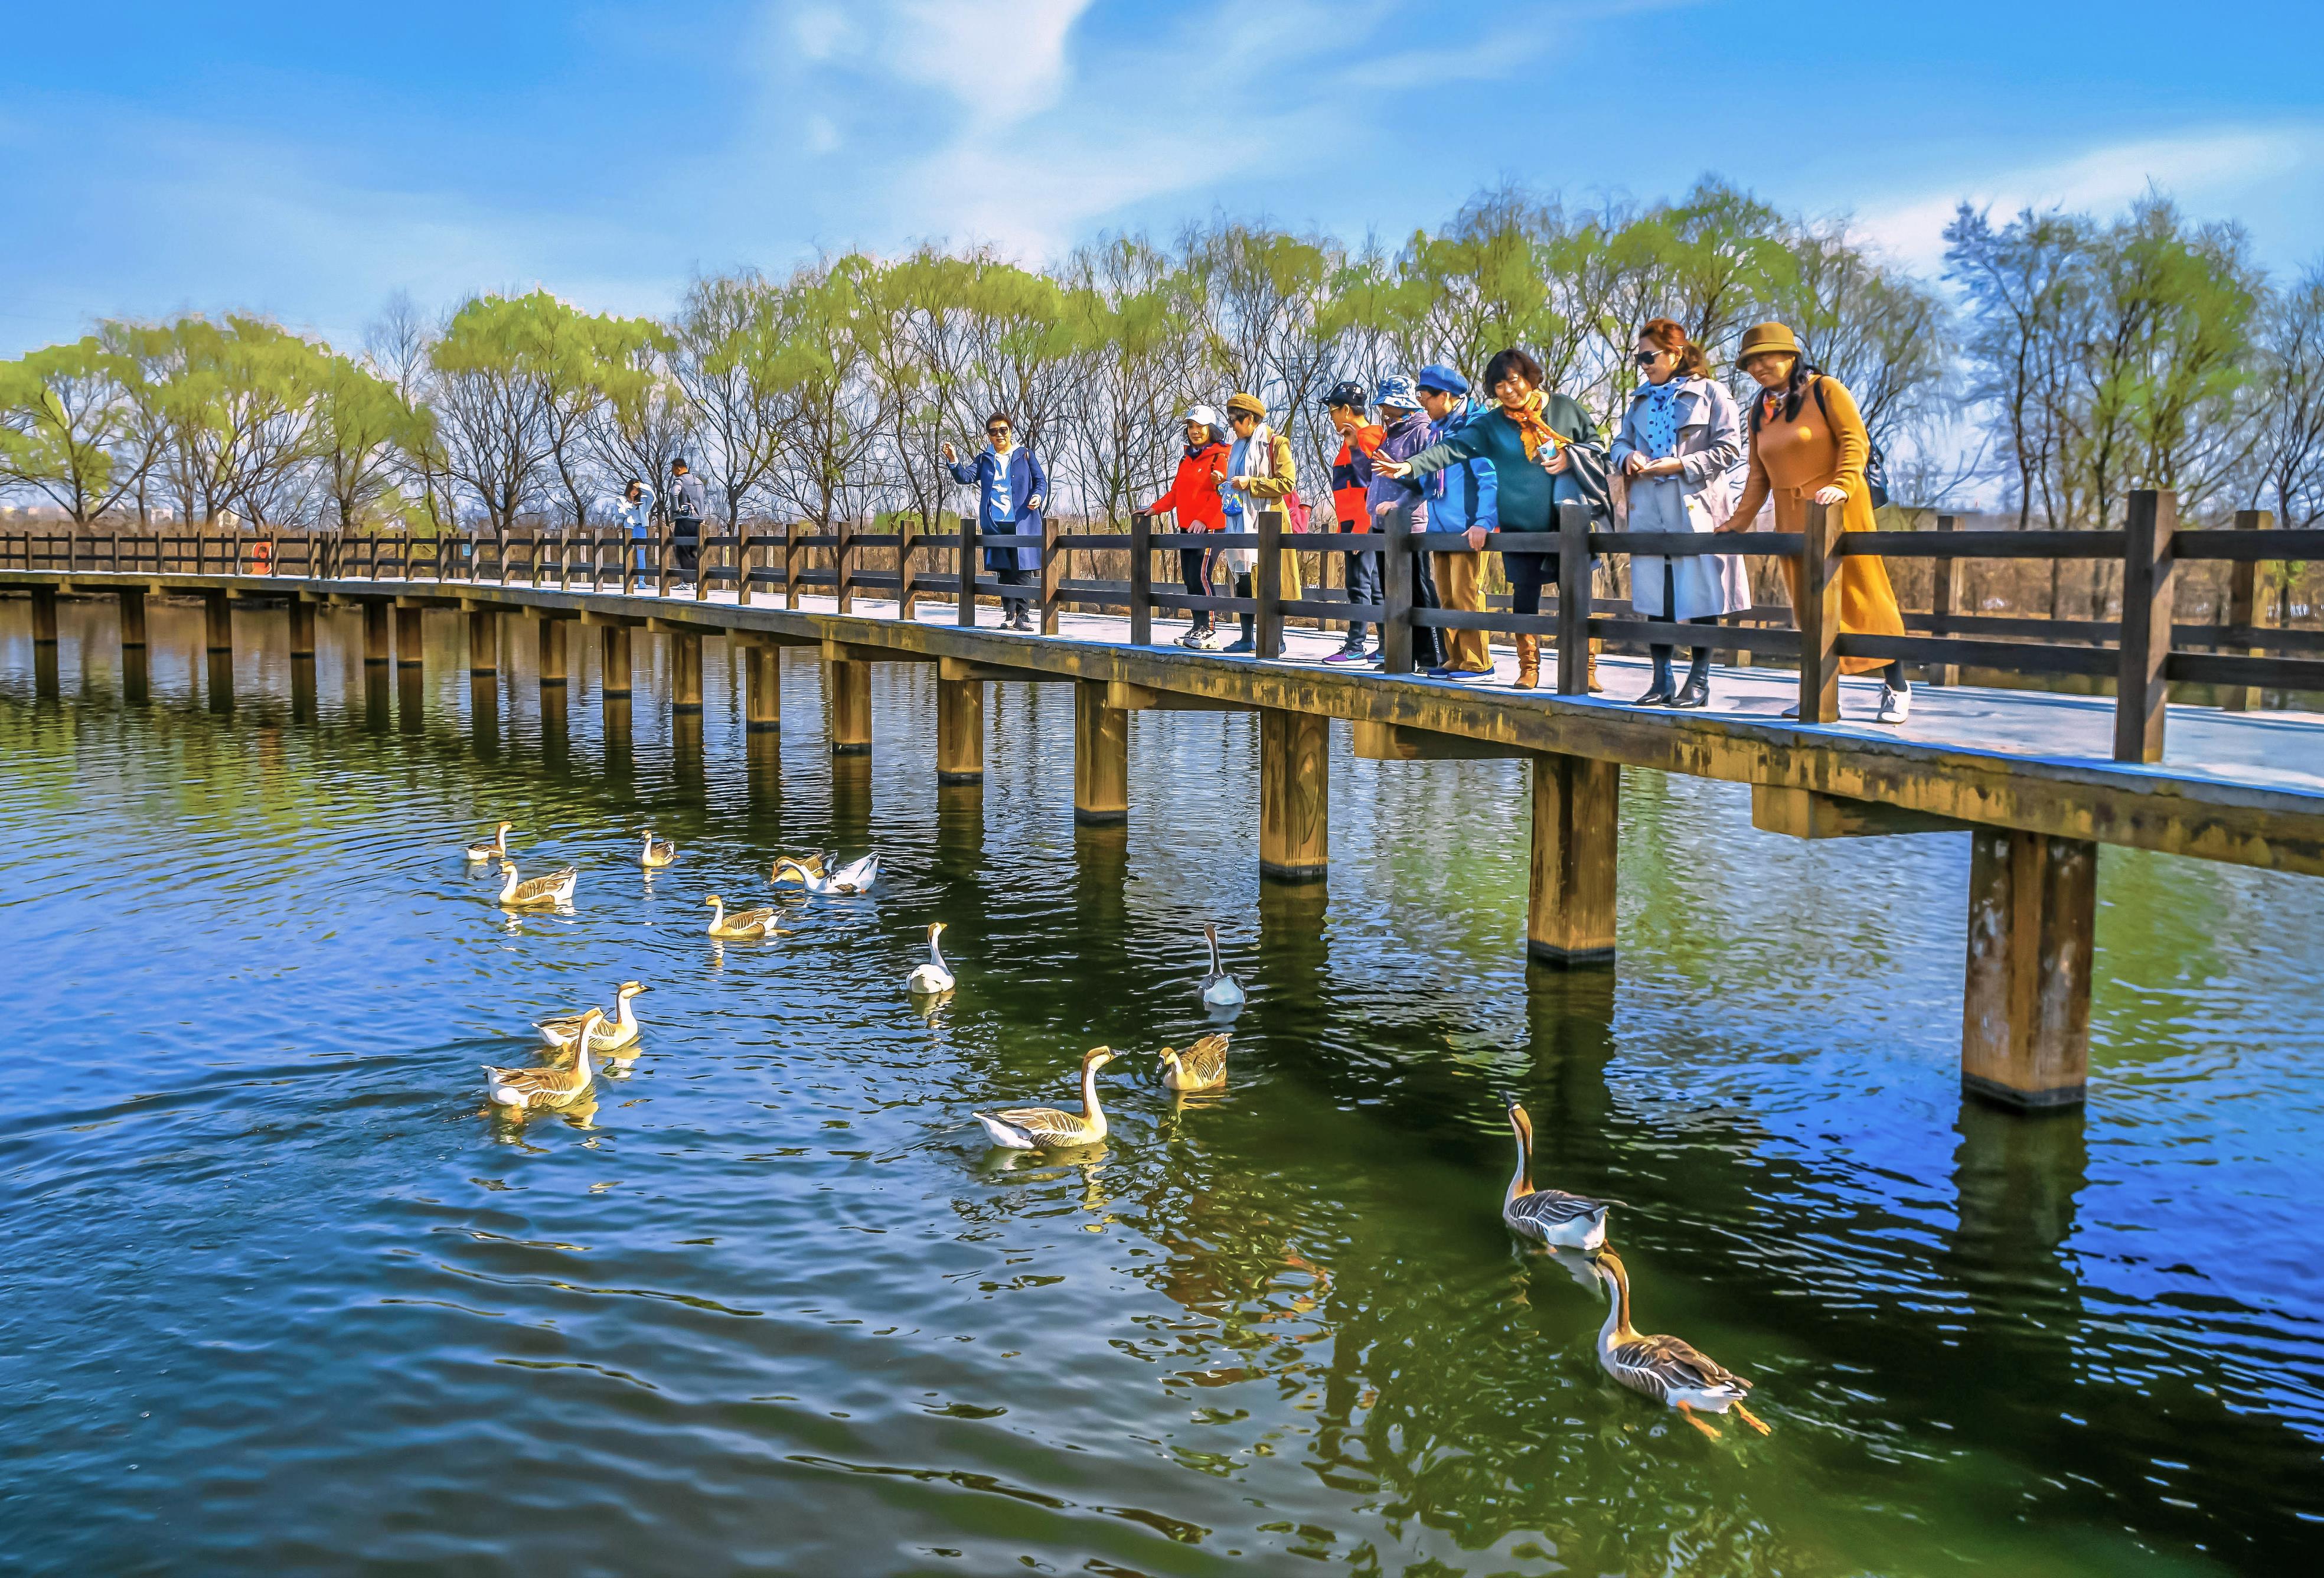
(1594, 686)
(1528, 662)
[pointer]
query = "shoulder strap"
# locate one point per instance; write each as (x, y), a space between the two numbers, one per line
(1817, 383)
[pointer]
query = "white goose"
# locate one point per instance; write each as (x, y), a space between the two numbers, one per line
(540, 892)
(1047, 1128)
(1665, 1369)
(497, 850)
(1549, 1216)
(853, 878)
(523, 1089)
(930, 979)
(565, 1029)
(1219, 990)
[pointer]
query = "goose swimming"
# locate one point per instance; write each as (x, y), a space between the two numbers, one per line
(929, 979)
(853, 878)
(1665, 1369)
(1047, 1128)
(524, 1089)
(658, 851)
(744, 926)
(497, 850)
(565, 1029)
(1219, 990)
(1549, 1216)
(536, 893)
(1202, 1066)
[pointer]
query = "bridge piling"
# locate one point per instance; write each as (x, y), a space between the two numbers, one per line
(1101, 758)
(1294, 795)
(45, 616)
(2026, 1002)
(552, 655)
(1576, 827)
(960, 731)
(685, 674)
(762, 686)
(132, 622)
(613, 674)
(375, 617)
(218, 632)
(302, 625)
(850, 684)
(484, 642)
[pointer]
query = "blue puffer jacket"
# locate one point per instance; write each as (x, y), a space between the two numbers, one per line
(1466, 492)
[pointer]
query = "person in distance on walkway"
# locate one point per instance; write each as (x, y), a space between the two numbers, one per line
(1351, 471)
(687, 507)
(1544, 452)
(1679, 444)
(1193, 500)
(1463, 497)
(1261, 473)
(1011, 485)
(1405, 434)
(1808, 445)
(634, 509)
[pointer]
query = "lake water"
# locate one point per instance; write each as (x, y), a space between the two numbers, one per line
(276, 1294)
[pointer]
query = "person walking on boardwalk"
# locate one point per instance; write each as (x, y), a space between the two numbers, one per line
(687, 507)
(1463, 497)
(634, 509)
(1011, 489)
(1261, 475)
(1351, 471)
(1679, 446)
(1544, 452)
(1808, 445)
(1405, 433)
(1194, 499)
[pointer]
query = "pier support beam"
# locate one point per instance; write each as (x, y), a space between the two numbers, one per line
(1576, 827)
(484, 641)
(960, 732)
(553, 655)
(218, 632)
(613, 664)
(762, 688)
(375, 653)
(302, 625)
(411, 641)
(1101, 757)
(134, 670)
(685, 674)
(851, 707)
(1294, 795)
(2025, 1005)
(45, 616)
(133, 623)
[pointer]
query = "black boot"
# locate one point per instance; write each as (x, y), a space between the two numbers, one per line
(1696, 691)
(1658, 694)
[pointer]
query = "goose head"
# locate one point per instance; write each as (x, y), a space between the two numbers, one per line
(713, 901)
(1519, 1121)
(1097, 1058)
(629, 989)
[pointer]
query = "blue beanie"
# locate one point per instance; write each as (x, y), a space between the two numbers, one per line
(1437, 375)
(1394, 393)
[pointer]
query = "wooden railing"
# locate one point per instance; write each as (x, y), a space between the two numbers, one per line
(2142, 653)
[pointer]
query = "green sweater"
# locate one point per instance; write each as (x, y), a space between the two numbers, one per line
(1528, 494)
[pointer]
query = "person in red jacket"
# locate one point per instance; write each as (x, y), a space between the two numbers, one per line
(1193, 498)
(1351, 471)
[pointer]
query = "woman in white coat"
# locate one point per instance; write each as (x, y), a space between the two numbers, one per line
(1681, 444)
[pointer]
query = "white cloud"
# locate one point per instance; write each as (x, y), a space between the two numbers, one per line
(1002, 59)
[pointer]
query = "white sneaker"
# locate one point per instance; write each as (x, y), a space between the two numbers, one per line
(1215, 641)
(1895, 706)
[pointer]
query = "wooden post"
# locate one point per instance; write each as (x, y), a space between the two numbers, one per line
(1053, 569)
(484, 643)
(1395, 592)
(791, 551)
(375, 652)
(500, 554)
(45, 616)
(614, 673)
(960, 731)
(1101, 757)
(629, 564)
(217, 623)
(666, 562)
(685, 671)
(2140, 689)
(1818, 616)
(1944, 602)
(408, 632)
(843, 563)
(701, 561)
(968, 570)
(763, 688)
(908, 549)
(552, 654)
(744, 560)
(2025, 1004)
(302, 625)
(2244, 610)
(1295, 795)
(132, 622)
(1576, 831)
(851, 707)
(1573, 590)
(1141, 581)
(1267, 587)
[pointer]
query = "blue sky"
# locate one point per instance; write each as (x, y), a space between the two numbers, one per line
(306, 161)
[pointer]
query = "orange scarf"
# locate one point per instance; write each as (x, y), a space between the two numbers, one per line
(1534, 427)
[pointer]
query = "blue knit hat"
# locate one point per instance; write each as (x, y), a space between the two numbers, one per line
(1437, 375)
(1394, 393)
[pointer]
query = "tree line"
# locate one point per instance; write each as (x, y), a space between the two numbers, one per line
(2073, 359)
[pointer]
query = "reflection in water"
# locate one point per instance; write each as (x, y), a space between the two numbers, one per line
(777, 1263)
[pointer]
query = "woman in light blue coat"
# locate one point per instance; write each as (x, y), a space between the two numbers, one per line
(1681, 444)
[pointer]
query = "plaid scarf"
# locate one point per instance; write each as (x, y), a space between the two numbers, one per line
(1534, 427)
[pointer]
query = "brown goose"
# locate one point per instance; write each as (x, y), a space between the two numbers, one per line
(536, 893)
(1665, 1369)
(1549, 1216)
(1047, 1128)
(1202, 1066)
(523, 1089)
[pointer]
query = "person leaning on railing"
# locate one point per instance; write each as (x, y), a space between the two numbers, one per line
(1194, 499)
(1464, 497)
(1010, 485)
(1808, 446)
(1351, 471)
(1544, 452)
(1261, 474)
(1406, 433)
(1680, 443)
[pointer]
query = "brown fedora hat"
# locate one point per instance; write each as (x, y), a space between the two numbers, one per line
(1761, 339)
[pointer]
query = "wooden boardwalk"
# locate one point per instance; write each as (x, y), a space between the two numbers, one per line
(2030, 776)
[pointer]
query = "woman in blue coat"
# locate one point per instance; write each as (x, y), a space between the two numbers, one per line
(1011, 488)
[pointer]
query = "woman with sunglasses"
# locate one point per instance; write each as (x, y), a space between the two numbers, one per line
(1011, 488)
(1681, 440)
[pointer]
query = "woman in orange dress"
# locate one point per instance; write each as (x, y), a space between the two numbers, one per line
(1808, 446)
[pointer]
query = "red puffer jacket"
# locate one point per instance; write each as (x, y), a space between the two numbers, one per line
(1193, 492)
